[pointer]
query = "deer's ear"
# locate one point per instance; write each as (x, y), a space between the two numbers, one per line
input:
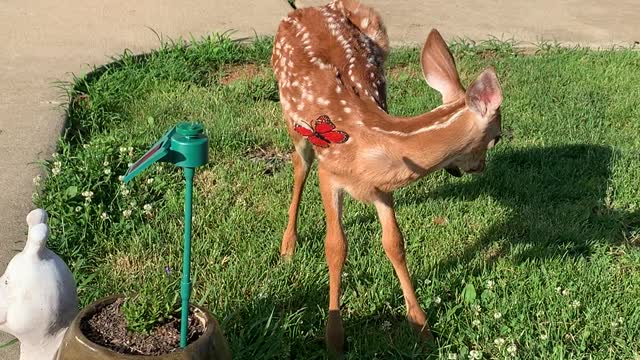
(484, 96)
(439, 69)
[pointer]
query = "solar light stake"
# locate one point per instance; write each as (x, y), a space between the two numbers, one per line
(187, 147)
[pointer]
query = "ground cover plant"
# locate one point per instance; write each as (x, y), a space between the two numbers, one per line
(538, 257)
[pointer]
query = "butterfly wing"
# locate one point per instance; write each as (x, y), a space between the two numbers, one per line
(303, 130)
(336, 136)
(323, 124)
(318, 141)
(323, 133)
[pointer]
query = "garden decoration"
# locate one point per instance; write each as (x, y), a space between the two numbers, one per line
(38, 298)
(186, 146)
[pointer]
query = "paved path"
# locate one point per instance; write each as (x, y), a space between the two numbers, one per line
(589, 22)
(46, 41)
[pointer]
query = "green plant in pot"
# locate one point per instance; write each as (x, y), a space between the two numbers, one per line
(155, 322)
(155, 302)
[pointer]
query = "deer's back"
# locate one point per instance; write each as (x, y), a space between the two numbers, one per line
(329, 60)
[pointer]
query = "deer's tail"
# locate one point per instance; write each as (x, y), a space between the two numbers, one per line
(367, 20)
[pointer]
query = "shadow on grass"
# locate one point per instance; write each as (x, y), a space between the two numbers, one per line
(557, 197)
(293, 328)
(558, 203)
(558, 206)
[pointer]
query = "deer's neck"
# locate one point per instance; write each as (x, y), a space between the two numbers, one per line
(409, 148)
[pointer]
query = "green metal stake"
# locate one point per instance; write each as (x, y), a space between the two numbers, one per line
(185, 284)
(185, 146)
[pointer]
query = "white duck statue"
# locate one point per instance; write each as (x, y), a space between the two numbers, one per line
(38, 296)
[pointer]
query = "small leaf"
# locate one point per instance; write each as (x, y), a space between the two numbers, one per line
(71, 192)
(86, 280)
(469, 294)
(504, 330)
(487, 297)
(150, 120)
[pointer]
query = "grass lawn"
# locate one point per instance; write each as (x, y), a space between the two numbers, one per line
(538, 258)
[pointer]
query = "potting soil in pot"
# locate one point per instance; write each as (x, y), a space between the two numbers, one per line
(107, 327)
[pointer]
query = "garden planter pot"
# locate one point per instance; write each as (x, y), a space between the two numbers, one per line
(211, 345)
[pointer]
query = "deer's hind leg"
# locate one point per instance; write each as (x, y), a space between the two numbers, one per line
(302, 158)
(336, 255)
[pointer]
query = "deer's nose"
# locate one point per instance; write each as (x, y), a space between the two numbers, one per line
(478, 168)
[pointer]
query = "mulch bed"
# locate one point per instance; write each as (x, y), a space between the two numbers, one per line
(107, 327)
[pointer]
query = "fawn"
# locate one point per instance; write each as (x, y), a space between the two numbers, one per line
(328, 62)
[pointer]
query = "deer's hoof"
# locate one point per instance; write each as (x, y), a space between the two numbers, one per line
(288, 246)
(418, 321)
(286, 258)
(424, 331)
(334, 334)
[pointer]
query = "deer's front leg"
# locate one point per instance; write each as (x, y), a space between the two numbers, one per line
(393, 244)
(302, 158)
(336, 254)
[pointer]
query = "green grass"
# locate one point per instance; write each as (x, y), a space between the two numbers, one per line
(547, 237)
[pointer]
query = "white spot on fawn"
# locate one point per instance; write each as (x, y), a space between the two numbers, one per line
(322, 101)
(347, 109)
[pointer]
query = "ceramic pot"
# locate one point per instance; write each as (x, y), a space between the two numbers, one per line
(210, 346)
